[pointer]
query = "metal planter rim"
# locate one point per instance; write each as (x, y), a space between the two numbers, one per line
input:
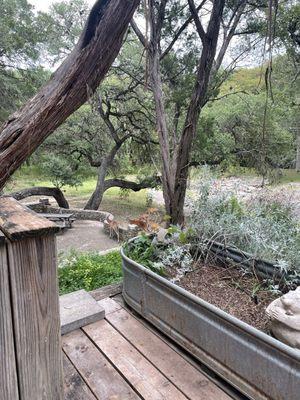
(294, 353)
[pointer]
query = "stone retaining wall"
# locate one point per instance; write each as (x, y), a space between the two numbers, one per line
(122, 233)
(88, 215)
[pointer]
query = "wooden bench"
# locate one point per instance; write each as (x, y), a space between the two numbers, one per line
(63, 220)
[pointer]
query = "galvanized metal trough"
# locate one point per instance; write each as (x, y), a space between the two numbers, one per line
(258, 365)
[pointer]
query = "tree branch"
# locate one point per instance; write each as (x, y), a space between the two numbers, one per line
(151, 182)
(138, 33)
(197, 21)
(42, 191)
(180, 30)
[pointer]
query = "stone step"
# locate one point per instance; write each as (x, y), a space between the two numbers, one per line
(78, 309)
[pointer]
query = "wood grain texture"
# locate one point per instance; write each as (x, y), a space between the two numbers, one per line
(2, 238)
(179, 371)
(109, 305)
(105, 382)
(34, 289)
(18, 222)
(8, 370)
(143, 376)
(107, 291)
(74, 386)
(69, 87)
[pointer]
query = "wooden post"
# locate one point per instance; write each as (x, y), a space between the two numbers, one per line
(8, 369)
(29, 306)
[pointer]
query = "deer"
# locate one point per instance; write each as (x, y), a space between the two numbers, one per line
(113, 227)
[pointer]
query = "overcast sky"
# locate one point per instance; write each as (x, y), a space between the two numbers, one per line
(42, 5)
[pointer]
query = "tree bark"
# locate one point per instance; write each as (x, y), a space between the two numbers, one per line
(148, 183)
(168, 175)
(69, 87)
(197, 101)
(96, 198)
(42, 191)
(298, 150)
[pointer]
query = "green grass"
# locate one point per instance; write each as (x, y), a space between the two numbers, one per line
(88, 271)
(123, 208)
(289, 176)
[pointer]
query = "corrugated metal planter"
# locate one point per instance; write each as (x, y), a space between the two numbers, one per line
(258, 365)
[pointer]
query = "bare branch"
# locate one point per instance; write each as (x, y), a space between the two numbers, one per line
(180, 31)
(197, 21)
(138, 33)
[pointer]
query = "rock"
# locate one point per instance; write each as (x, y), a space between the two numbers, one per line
(284, 314)
(161, 234)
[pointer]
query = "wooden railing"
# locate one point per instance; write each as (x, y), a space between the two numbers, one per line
(30, 348)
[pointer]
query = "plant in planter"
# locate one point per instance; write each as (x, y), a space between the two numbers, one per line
(234, 349)
(170, 257)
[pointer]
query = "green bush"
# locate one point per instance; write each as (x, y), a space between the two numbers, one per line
(88, 271)
(262, 226)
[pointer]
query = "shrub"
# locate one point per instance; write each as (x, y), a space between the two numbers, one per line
(88, 271)
(170, 257)
(263, 227)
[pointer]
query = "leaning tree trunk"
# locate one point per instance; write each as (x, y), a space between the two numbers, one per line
(42, 191)
(69, 87)
(151, 182)
(97, 196)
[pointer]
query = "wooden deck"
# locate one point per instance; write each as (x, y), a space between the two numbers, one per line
(121, 358)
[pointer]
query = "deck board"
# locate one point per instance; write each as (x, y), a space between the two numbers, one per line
(181, 373)
(120, 358)
(74, 386)
(102, 378)
(147, 380)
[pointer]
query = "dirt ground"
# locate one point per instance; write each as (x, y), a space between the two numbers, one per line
(231, 291)
(84, 236)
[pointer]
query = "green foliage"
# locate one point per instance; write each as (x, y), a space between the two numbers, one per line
(20, 42)
(230, 130)
(263, 227)
(170, 257)
(62, 26)
(60, 172)
(124, 193)
(89, 271)
(142, 250)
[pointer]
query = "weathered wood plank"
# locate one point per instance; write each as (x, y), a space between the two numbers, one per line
(147, 380)
(18, 221)
(2, 238)
(179, 371)
(78, 309)
(107, 291)
(74, 385)
(105, 382)
(109, 305)
(8, 369)
(34, 290)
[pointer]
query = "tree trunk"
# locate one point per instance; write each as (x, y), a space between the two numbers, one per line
(97, 196)
(198, 99)
(298, 150)
(69, 87)
(42, 191)
(168, 174)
